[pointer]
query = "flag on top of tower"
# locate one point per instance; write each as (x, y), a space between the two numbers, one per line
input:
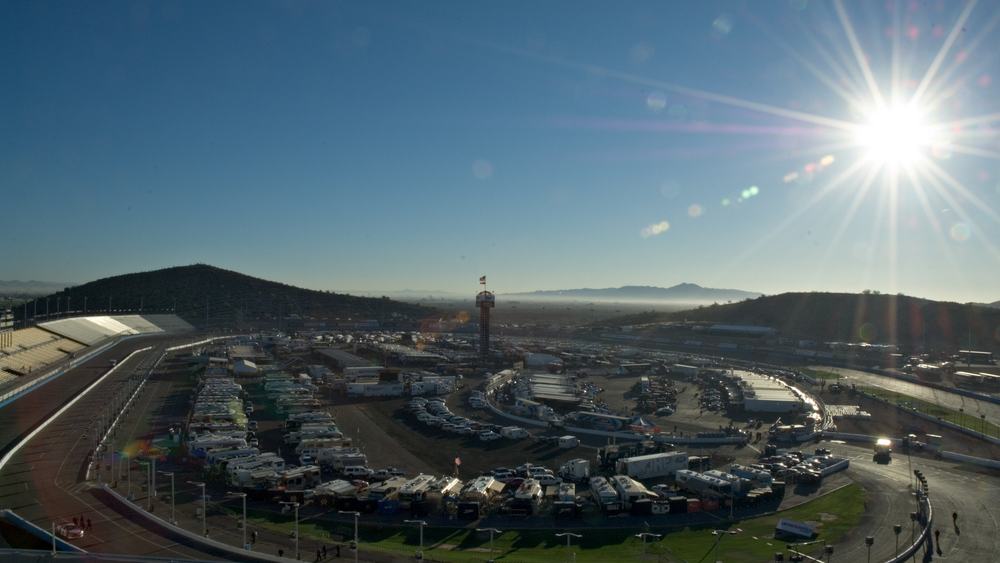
(482, 280)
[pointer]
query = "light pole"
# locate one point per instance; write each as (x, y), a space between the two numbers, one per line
(421, 524)
(149, 482)
(128, 473)
(295, 506)
(569, 537)
(643, 537)
(491, 531)
(173, 514)
(869, 540)
(244, 497)
(357, 546)
(204, 524)
(896, 529)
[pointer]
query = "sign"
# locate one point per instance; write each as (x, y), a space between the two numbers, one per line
(794, 528)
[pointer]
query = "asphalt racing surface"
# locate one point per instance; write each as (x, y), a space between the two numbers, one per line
(954, 401)
(952, 487)
(43, 482)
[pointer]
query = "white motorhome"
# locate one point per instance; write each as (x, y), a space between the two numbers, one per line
(299, 479)
(387, 489)
(482, 489)
(415, 489)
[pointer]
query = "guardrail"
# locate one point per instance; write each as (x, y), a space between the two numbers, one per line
(199, 541)
(121, 413)
(59, 544)
(59, 371)
(927, 512)
(41, 426)
(931, 418)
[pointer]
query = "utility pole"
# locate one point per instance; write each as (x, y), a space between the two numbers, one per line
(85, 304)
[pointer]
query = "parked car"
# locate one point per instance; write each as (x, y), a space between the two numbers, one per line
(547, 479)
(69, 531)
(358, 471)
(488, 436)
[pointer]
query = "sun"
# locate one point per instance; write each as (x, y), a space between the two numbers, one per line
(896, 135)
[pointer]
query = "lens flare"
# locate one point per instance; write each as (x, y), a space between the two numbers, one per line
(655, 229)
(895, 135)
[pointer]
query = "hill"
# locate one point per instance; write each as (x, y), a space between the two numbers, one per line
(201, 293)
(850, 317)
(680, 293)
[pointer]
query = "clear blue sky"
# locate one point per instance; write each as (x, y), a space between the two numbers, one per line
(547, 145)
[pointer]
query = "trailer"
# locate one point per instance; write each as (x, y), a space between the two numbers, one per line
(653, 466)
(513, 432)
(604, 494)
(575, 470)
(568, 442)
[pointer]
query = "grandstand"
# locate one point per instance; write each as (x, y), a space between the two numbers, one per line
(31, 349)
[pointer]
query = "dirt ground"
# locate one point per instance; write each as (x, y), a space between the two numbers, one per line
(390, 436)
(619, 394)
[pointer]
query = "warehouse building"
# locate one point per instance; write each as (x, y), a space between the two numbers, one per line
(341, 359)
(766, 394)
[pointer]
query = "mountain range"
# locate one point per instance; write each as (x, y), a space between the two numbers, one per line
(911, 322)
(31, 287)
(680, 293)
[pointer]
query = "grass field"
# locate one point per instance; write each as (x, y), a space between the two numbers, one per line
(970, 421)
(834, 514)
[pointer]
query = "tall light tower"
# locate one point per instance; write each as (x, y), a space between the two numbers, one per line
(485, 301)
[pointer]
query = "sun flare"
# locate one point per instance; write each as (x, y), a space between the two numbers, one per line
(896, 135)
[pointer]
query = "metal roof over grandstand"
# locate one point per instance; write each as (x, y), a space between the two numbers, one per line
(91, 330)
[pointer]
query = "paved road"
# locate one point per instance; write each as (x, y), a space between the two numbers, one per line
(974, 495)
(44, 481)
(952, 401)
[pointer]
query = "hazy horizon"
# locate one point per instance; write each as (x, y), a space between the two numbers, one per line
(400, 145)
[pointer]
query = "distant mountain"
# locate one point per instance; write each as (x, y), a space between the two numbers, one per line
(681, 293)
(31, 287)
(201, 292)
(412, 294)
(851, 317)
(995, 304)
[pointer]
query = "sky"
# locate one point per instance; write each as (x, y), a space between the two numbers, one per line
(419, 145)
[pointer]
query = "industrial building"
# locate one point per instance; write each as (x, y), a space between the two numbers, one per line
(341, 359)
(553, 388)
(762, 393)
